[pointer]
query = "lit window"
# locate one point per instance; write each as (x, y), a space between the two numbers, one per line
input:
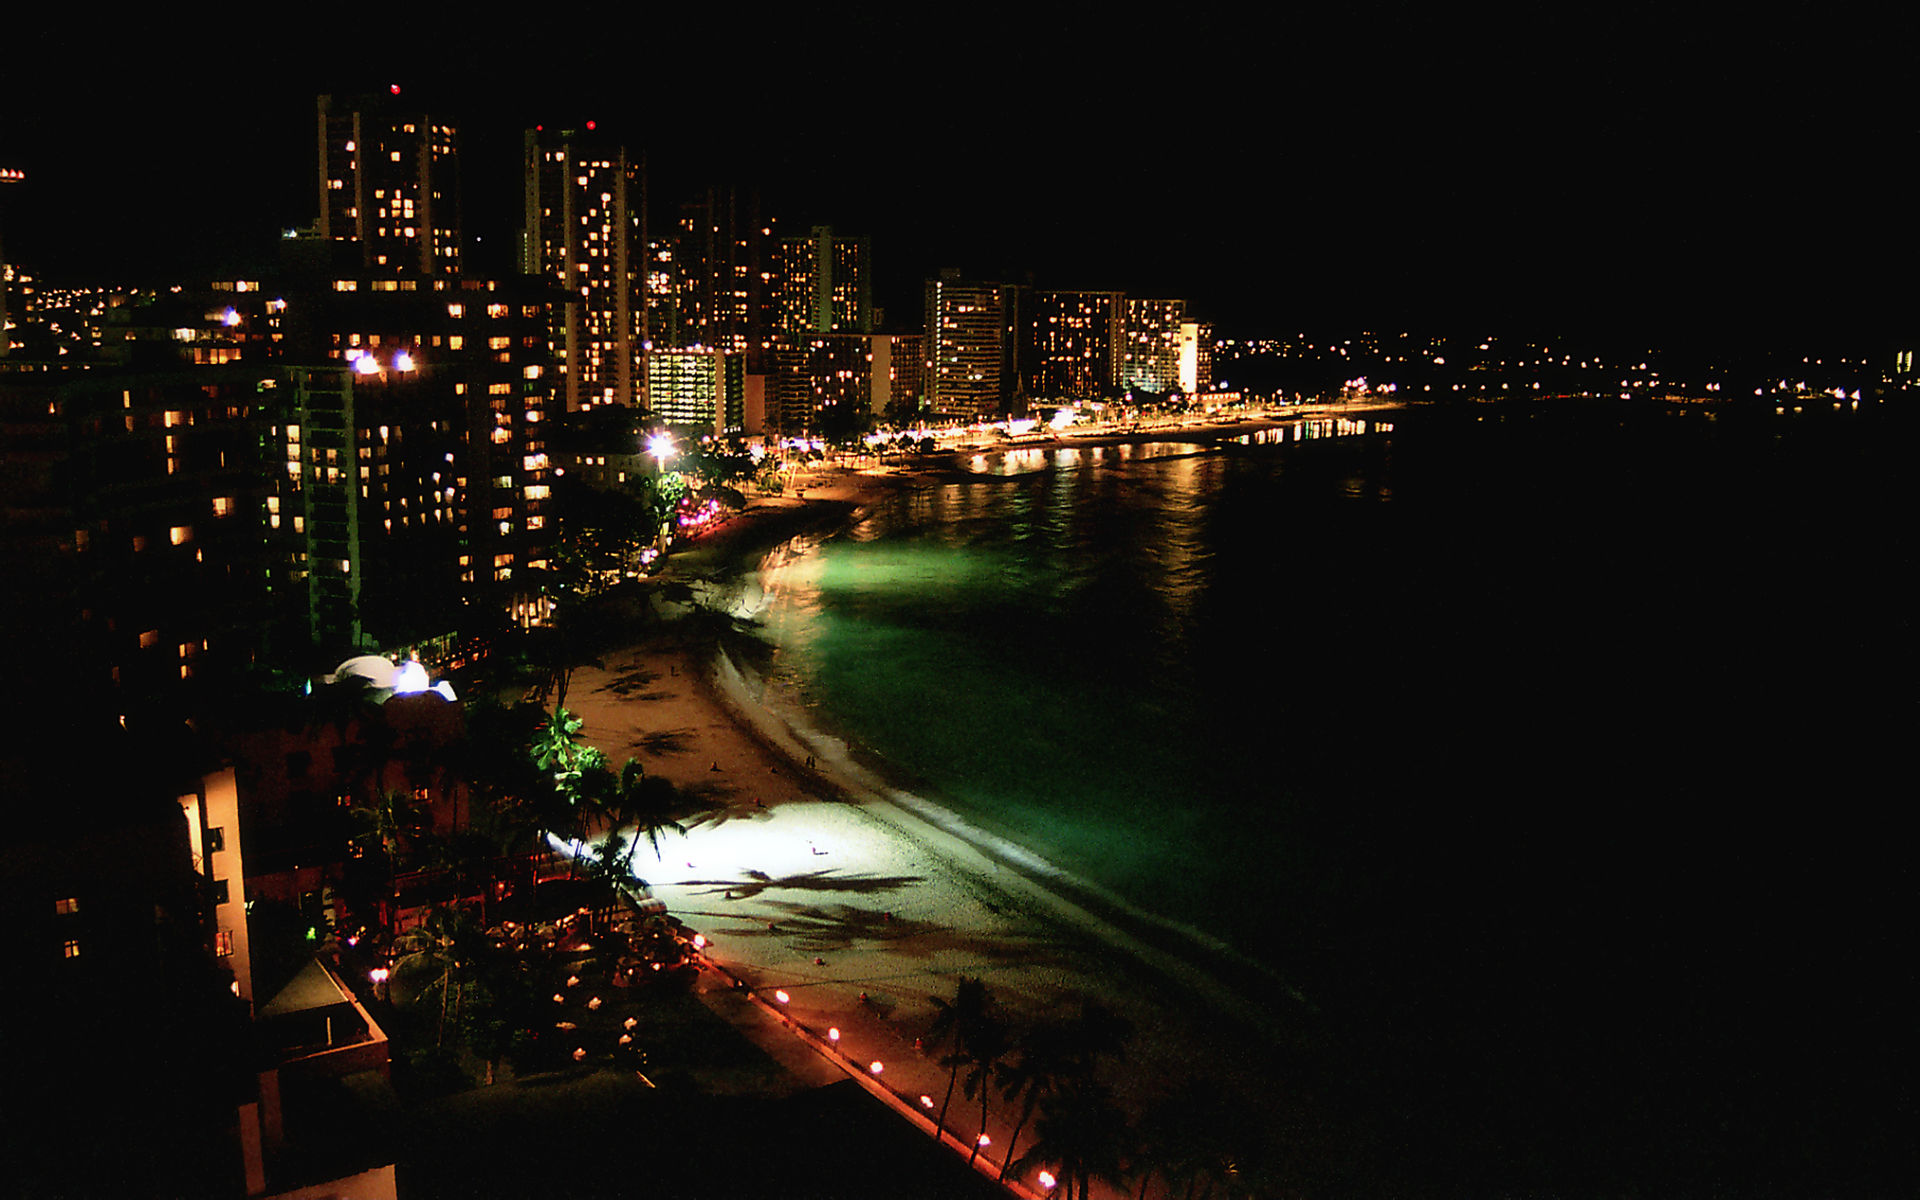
(67, 906)
(223, 943)
(71, 949)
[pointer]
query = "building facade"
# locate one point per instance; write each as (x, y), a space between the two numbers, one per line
(585, 233)
(710, 275)
(389, 182)
(1071, 343)
(971, 360)
(703, 390)
(1150, 347)
(824, 284)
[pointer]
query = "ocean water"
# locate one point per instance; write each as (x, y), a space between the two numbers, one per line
(1547, 752)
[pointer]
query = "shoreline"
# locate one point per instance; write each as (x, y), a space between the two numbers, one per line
(863, 911)
(863, 901)
(1445, 1041)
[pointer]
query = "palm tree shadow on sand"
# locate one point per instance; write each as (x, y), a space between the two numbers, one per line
(663, 742)
(631, 684)
(825, 928)
(723, 802)
(828, 879)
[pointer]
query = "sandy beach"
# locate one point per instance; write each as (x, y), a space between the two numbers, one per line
(814, 878)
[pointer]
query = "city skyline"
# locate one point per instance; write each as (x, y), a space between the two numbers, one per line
(1382, 166)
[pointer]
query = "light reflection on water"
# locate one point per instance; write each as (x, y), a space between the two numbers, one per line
(1024, 460)
(1030, 644)
(1475, 714)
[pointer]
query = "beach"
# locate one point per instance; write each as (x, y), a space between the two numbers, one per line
(815, 878)
(1515, 935)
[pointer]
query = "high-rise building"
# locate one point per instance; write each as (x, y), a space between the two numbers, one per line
(836, 383)
(970, 346)
(450, 394)
(1150, 345)
(709, 275)
(8, 175)
(703, 390)
(305, 467)
(585, 233)
(1071, 343)
(1196, 357)
(390, 183)
(824, 284)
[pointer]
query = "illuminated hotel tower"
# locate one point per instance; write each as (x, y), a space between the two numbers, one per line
(584, 233)
(390, 181)
(709, 275)
(1072, 343)
(969, 346)
(1150, 346)
(824, 284)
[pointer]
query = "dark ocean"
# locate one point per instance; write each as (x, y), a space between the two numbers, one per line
(1557, 755)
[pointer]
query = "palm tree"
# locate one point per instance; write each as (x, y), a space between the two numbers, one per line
(1052, 1055)
(645, 801)
(985, 1047)
(954, 1021)
(447, 949)
(390, 822)
(1043, 1061)
(557, 751)
(611, 862)
(468, 860)
(1083, 1133)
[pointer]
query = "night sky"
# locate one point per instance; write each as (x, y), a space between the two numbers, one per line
(1570, 167)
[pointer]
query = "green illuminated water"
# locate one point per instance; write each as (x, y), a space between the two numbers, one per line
(1483, 731)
